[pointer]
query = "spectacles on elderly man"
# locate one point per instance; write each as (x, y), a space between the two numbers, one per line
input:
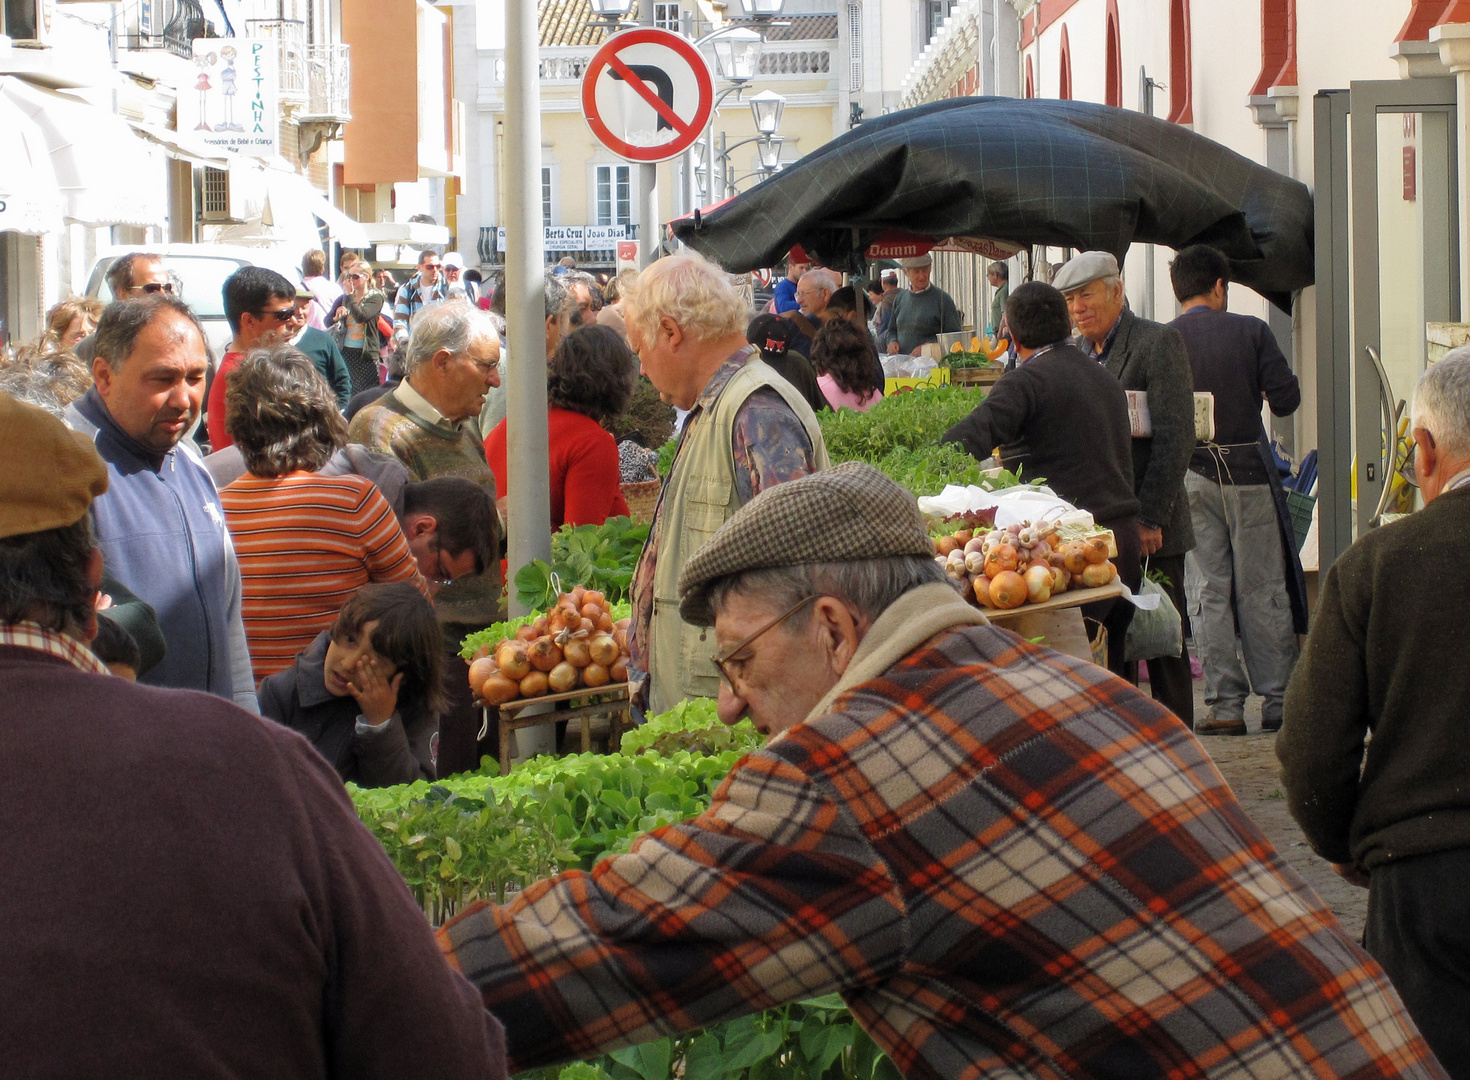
(724, 661)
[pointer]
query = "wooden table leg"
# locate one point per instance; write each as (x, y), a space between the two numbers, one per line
(506, 734)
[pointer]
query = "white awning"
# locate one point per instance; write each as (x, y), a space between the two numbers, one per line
(29, 200)
(291, 193)
(183, 145)
(106, 175)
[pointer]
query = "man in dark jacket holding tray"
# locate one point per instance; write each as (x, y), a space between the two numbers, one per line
(1061, 417)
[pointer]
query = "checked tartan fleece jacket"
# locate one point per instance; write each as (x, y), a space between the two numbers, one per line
(1010, 864)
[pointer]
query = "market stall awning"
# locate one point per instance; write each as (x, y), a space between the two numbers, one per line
(1021, 171)
(29, 200)
(105, 174)
(184, 145)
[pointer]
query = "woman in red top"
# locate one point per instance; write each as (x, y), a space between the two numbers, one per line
(590, 378)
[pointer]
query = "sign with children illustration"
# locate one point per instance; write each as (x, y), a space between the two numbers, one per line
(233, 103)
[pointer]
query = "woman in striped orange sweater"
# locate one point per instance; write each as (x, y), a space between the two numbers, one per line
(306, 543)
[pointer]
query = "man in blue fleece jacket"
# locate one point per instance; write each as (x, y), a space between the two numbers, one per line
(160, 526)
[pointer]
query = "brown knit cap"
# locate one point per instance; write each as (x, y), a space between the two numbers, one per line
(51, 473)
(847, 513)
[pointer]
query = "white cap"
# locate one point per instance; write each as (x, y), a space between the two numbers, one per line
(453, 258)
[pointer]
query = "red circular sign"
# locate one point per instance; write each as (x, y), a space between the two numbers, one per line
(647, 94)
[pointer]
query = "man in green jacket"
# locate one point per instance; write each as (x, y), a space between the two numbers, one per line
(921, 312)
(1386, 659)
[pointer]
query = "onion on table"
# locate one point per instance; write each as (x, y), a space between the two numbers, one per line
(576, 644)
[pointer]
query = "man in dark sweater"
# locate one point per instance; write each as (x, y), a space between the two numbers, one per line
(1061, 416)
(1148, 358)
(1386, 659)
(189, 891)
(1235, 578)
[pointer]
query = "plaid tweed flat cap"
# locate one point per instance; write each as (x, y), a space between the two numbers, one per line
(1081, 269)
(843, 514)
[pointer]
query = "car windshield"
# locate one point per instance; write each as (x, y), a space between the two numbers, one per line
(200, 281)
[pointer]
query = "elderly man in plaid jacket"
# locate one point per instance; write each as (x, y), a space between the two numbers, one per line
(1008, 862)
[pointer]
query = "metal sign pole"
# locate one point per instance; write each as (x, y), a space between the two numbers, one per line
(527, 461)
(648, 238)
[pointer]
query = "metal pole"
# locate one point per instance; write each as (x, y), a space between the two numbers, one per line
(649, 239)
(529, 523)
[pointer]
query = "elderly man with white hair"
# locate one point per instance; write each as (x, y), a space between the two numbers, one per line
(1386, 659)
(451, 362)
(1151, 359)
(813, 293)
(748, 429)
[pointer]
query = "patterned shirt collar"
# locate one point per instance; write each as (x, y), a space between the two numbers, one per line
(726, 372)
(29, 635)
(1041, 351)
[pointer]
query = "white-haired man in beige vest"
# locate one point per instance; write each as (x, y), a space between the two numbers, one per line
(748, 429)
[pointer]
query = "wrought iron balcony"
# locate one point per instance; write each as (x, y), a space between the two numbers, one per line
(171, 25)
(328, 84)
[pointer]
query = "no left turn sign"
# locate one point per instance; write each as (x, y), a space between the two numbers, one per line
(647, 95)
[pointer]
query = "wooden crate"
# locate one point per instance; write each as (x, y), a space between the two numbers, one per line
(975, 376)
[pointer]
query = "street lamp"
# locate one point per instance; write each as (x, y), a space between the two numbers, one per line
(611, 13)
(763, 9)
(767, 107)
(738, 54)
(770, 152)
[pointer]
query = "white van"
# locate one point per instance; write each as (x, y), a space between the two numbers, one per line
(199, 272)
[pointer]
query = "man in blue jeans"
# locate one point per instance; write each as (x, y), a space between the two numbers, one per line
(1235, 577)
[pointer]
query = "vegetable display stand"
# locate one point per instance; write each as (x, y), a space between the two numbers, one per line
(612, 702)
(641, 498)
(1058, 620)
(938, 377)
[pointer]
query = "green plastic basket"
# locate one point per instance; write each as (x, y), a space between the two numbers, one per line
(1300, 508)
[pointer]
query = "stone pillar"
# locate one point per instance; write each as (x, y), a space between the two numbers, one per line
(1453, 40)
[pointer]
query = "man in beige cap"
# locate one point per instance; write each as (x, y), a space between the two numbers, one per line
(748, 429)
(188, 892)
(1150, 358)
(1007, 861)
(921, 313)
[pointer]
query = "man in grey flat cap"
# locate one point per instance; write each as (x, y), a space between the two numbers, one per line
(1150, 358)
(1008, 862)
(921, 312)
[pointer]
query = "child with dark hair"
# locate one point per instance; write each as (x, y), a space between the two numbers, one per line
(844, 357)
(368, 691)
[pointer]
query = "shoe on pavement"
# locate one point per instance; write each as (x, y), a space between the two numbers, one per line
(1270, 723)
(1220, 725)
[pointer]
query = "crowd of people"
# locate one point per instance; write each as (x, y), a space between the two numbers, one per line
(1008, 861)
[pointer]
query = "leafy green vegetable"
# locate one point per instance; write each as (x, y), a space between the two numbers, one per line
(925, 471)
(666, 454)
(600, 557)
(912, 419)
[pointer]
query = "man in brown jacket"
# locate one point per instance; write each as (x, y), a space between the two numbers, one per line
(188, 889)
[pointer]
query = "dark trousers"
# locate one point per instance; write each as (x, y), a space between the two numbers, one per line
(1419, 930)
(1169, 678)
(1115, 615)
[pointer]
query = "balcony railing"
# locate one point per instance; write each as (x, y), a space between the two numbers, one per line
(171, 25)
(291, 36)
(328, 83)
(566, 64)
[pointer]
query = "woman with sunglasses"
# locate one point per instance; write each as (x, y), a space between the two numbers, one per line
(355, 325)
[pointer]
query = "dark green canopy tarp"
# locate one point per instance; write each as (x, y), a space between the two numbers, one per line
(1028, 171)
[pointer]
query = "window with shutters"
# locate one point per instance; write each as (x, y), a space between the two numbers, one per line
(19, 19)
(545, 195)
(854, 48)
(614, 185)
(216, 196)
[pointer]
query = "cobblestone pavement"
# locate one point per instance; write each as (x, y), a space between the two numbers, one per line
(1249, 765)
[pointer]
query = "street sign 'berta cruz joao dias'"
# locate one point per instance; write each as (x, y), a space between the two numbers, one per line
(647, 94)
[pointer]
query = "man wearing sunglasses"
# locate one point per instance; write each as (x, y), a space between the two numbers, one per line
(1009, 862)
(261, 307)
(136, 274)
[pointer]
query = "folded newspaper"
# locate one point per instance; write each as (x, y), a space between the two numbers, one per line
(1143, 426)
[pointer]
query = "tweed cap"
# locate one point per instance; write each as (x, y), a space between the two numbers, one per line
(1089, 266)
(843, 514)
(52, 473)
(918, 262)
